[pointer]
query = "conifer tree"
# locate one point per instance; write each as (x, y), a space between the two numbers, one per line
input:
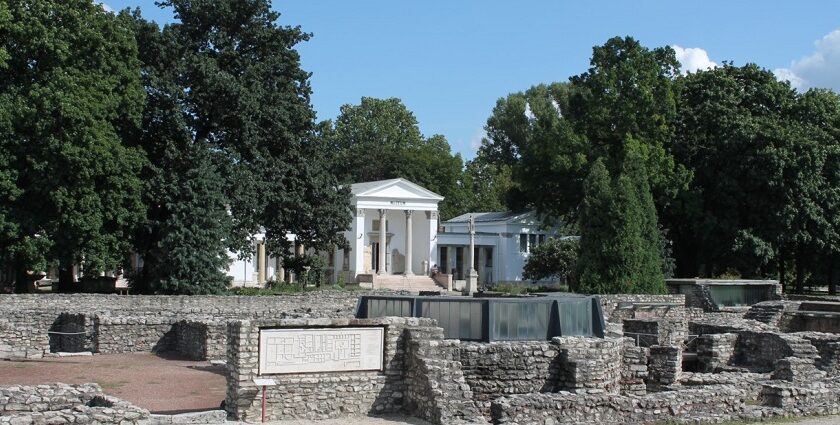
(620, 240)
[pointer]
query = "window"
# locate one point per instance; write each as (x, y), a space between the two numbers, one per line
(532, 241)
(542, 239)
(488, 257)
(346, 263)
(523, 242)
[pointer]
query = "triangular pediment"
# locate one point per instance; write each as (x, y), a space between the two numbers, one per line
(394, 189)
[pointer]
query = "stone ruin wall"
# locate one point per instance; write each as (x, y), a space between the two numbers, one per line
(120, 323)
(64, 404)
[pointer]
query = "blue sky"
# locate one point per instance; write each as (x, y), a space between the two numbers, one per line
(449, 61)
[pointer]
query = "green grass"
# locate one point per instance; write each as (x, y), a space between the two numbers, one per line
(291, 288)
(527, 289)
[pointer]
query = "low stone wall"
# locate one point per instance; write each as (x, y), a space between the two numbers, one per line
(62, 403)
(316, 395)
(664, 367)
(715, 351)
(694, 405)
(759, 351)
(610, 305)
(436, 388)
(503, 368)
(828, 347)
(649, 332)
(634, 368)
(130, 323)
(589, 365)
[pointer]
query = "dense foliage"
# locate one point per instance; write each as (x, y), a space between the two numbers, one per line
(380, 139)
(555, 259)
(228, 131)
(70, 93)
(741, 168)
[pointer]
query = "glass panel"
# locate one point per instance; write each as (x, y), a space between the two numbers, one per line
(523, 242)
(575, 318)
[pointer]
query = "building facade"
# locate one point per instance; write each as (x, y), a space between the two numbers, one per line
(503, 243)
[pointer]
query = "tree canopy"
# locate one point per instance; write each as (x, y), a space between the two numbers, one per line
(70, 93)
(229, 109)
(380, 139)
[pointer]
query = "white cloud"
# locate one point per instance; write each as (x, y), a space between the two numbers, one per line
(475, 140)
(693, 59)
(818, 69)
(106, 7)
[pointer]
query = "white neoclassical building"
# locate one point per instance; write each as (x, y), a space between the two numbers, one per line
(406, 245)
(402, 253)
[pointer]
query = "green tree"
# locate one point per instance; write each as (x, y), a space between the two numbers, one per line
(69, 92)
(555, 259)
(629, 93)
(380, 139)
(733, 133)
(620, 244)
(230, 75)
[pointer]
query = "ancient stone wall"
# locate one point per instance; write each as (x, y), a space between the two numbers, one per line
(664, 367)
(715, 404)
(619, 306)
(759, 351)
(634, 368)
(502, 368)
(436, 388)
(63, 404)
(120, 323)
(715, 351)
(589, 365)
(316, 395)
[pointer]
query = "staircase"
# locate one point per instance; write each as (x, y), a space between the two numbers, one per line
(398, 282)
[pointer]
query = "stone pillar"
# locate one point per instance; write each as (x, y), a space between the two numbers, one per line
(279, 273)
(261, 262)
(357, 246)
(408, 242)
(383, 221)
(433, 228)
(472, 276)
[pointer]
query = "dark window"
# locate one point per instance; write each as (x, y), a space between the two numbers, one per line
(523, 242)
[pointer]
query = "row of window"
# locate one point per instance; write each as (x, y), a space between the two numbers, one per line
(529, 241)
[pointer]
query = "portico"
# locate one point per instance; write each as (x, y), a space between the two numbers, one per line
(394, 232)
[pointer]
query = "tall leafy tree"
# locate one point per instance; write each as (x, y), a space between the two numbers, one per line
(733, 124)
(69, 92)
(231, 74)
(629, 93)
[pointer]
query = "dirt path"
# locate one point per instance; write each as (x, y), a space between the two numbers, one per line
(161, 385)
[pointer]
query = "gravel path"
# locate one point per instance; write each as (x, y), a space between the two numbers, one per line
(824, 420)
(162, 385)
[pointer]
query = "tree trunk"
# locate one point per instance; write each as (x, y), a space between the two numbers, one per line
(66, 281)
(782, 269)
(21, 279)
(800, 275)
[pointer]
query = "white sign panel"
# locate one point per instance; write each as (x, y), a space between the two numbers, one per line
(320, 350)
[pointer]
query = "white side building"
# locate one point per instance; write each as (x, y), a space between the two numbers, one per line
(503, 243)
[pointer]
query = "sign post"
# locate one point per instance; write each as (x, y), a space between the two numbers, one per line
(264, 383)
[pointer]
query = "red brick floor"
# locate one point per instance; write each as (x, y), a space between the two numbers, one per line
(146, 380)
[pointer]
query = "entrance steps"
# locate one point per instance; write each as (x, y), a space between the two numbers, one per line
(405, 283)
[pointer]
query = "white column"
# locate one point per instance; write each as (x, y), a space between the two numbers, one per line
(261, 263)
(408, 242)
(433, 228)
(382, 241)
(358, 242)
(472, 277)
